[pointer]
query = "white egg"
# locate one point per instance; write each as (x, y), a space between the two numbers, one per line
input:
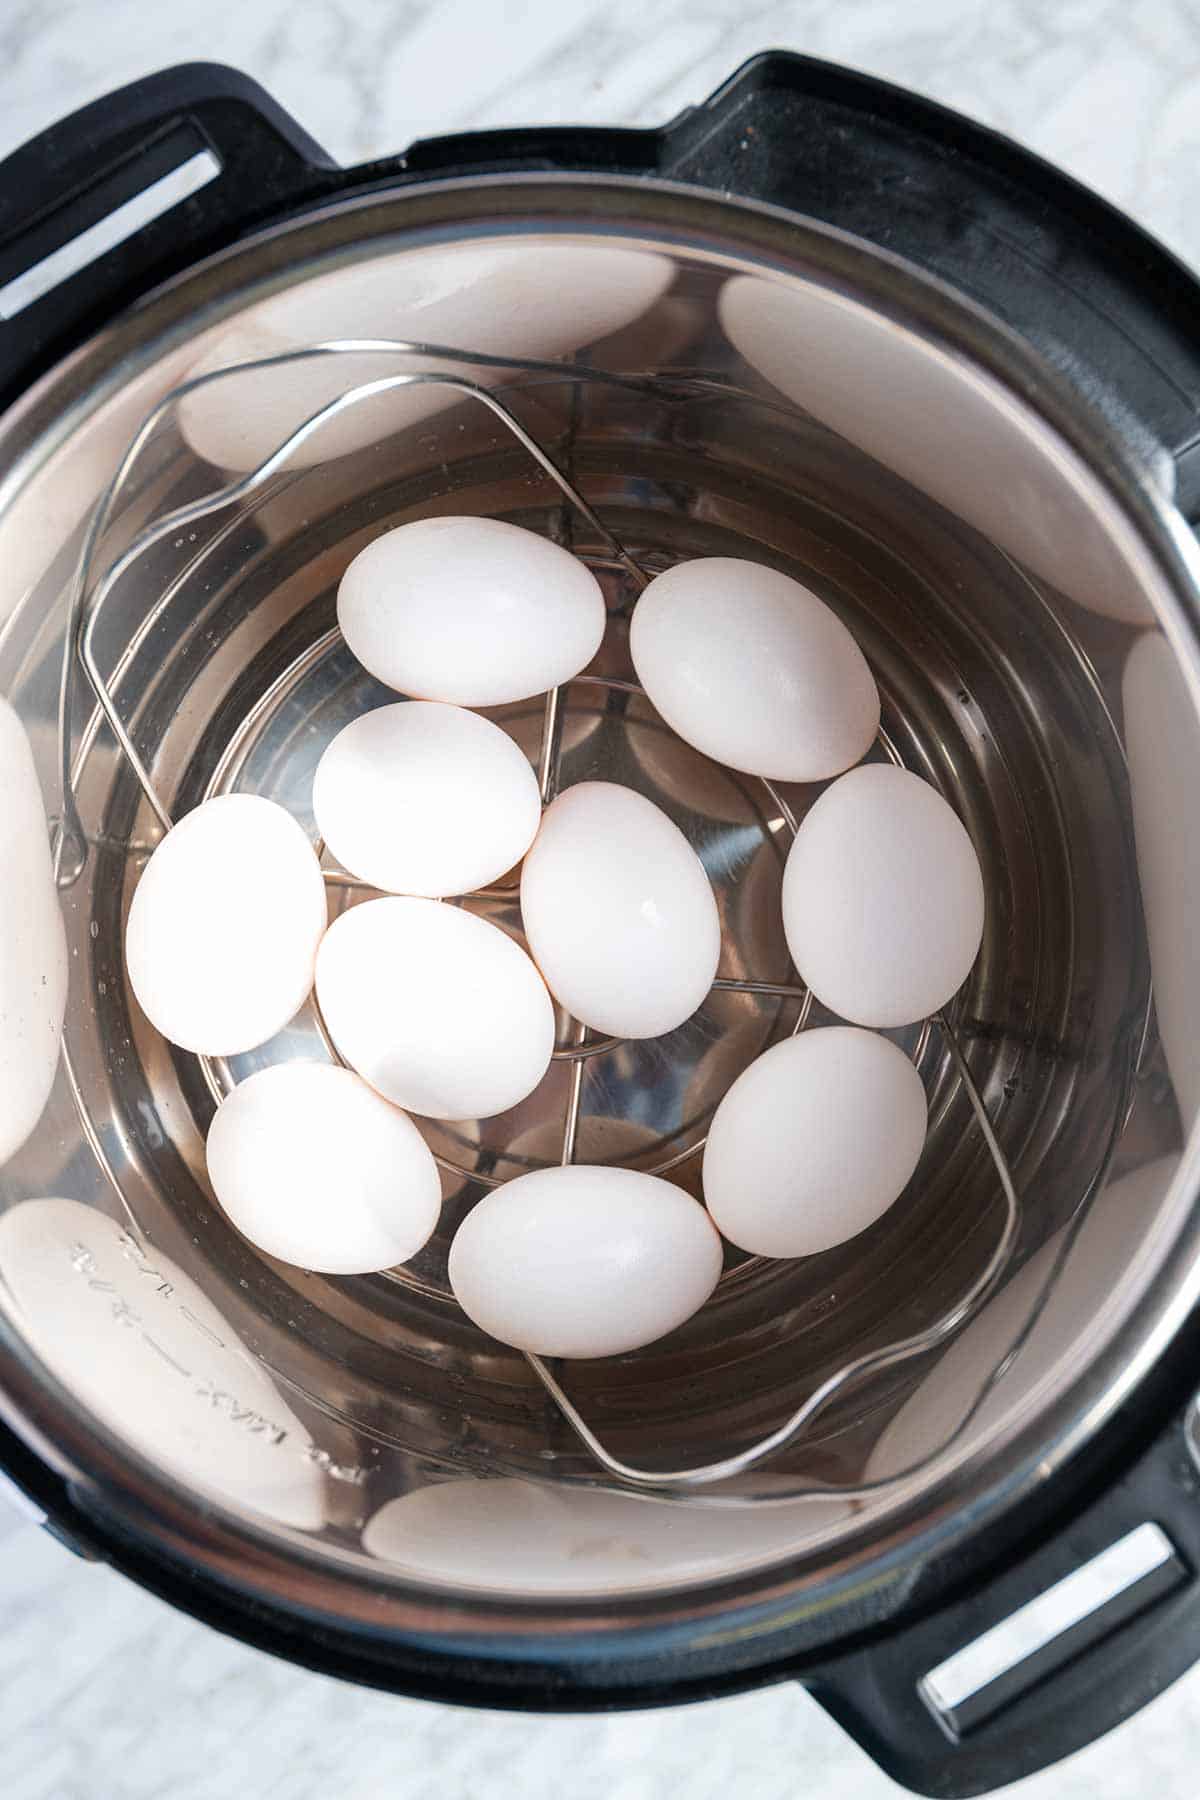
(1086, 1284)
(313, 1167)
(1162, 741)
(440, 1011)
(584, 1261)
(813, 1142)
(496, 298)
(33, 944)
(421, 798)
(753, 669)
(520, 1537)
(619, 913)
(473, 611)
(55, 498)
(939, 423)
(883, 900)
(224, 926)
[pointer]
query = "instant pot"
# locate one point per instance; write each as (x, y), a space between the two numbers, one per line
(817, 322)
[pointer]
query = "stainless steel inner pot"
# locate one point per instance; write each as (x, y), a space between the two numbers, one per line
(1024, 593)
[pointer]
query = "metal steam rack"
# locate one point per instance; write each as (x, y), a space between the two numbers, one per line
(91, 589)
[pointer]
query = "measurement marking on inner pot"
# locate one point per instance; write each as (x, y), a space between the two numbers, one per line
(81, 1259)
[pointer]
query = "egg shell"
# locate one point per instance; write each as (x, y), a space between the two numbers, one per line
(584, 1261)
(422, 798)
(316, 1169)
(619, 913)
(33, 944)
(813, 1142)
(1067, 1296)
(948, 430)
(1162, 741)
(473, 611)
(498, 299)
(73, 473)
(439, 1011)
(520, 1537)
(883, 901)
(224, 926)
(752, 668)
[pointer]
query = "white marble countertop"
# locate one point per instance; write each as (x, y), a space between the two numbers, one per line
(1109, 91)
(104, 1693)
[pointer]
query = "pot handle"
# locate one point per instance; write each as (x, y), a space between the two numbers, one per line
(1102, 299)
(126, 192)
(1094, 1623)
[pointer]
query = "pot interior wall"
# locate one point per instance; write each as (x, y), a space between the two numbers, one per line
(763, 414)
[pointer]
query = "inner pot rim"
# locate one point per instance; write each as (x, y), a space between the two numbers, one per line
(1166, 1275)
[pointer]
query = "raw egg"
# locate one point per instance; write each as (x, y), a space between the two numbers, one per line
(584, 1261)
(883, 900)
(421, 798)
(813, 1142)
(313, 1167)
(752, 668)
(439, 1011)
(224, 926)
(619, 913)
(473, 611)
